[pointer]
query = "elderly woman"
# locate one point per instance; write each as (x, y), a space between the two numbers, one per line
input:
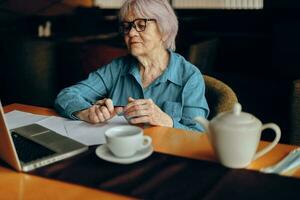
(155, 85)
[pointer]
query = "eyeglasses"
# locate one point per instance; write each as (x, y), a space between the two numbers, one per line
(138, 24)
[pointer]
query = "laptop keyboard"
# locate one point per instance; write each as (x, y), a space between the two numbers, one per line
(28, 150)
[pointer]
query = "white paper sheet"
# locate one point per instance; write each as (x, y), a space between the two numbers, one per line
(17, 118)
(88, 134)
(55, 124)
(91, 134)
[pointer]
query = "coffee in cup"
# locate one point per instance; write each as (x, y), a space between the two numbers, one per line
(125, 141)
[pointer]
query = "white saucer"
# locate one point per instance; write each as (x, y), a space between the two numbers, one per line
(104, 153)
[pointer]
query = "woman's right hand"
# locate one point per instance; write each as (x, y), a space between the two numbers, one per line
(100, 112)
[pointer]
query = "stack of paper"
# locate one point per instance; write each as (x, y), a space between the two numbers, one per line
(287, 164)
(88, 134)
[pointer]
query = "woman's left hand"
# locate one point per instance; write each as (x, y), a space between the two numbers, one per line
(146, 111)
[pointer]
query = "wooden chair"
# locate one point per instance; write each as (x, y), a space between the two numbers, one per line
(220, 97)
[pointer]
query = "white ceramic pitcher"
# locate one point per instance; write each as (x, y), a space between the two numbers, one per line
(235, 136)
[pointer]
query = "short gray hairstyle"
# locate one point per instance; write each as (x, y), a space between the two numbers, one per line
(161, 11)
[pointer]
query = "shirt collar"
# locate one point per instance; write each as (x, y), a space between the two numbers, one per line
(131, 66)
(172, 72)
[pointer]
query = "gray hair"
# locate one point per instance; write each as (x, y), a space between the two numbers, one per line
(161, 11)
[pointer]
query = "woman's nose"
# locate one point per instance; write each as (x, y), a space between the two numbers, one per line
(132, 31)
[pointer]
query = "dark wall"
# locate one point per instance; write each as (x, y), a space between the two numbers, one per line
(28, 69)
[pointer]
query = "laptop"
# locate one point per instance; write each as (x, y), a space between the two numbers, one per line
(32, 146)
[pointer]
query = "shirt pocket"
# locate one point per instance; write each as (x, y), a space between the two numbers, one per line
(173, 109)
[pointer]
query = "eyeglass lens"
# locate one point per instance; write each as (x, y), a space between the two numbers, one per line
(138, 24)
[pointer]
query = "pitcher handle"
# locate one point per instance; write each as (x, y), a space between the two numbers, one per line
(272, 145)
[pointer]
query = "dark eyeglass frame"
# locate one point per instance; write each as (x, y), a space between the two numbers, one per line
(134, 25)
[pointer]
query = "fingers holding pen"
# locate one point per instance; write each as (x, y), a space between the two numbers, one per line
(102, 111)
(93, 115)
(99, 112)
(110, 106)
(108, 103)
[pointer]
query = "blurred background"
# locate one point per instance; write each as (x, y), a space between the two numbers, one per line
(252, 45)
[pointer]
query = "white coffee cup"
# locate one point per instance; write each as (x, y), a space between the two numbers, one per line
(125, 141)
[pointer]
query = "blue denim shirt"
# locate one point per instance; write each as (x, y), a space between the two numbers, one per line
(179, 91)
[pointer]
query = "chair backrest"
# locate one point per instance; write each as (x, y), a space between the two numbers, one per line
(220, 97)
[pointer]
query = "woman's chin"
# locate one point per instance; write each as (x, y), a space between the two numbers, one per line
(136, 51)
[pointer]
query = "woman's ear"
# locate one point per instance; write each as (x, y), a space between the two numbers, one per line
(164, 38)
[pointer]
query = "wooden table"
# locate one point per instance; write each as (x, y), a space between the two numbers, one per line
(14, 185)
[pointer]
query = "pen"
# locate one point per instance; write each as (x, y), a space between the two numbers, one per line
(119, 113)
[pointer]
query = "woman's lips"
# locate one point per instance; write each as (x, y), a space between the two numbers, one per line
(134, 41)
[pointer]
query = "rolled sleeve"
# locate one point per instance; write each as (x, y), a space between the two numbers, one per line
(68, 106)
(194, 102)
(192, 126)
(80, 96)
